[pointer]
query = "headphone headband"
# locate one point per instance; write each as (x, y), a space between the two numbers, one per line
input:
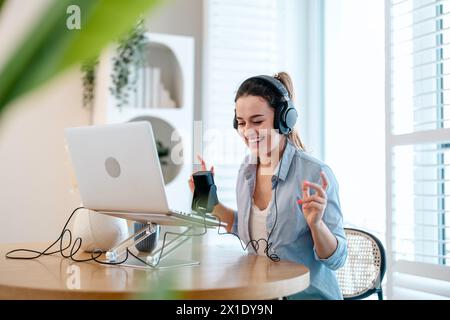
(285, 113)
(276, 84)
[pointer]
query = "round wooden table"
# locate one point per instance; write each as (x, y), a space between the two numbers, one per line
(225, 272)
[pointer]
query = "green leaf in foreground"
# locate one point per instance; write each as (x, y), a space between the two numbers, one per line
(51, 47)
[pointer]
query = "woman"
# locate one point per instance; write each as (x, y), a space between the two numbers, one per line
(284, 196)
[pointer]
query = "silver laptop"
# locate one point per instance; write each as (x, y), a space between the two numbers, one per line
(118, 173)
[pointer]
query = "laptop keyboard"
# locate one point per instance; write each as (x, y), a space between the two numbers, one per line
(182, 213)
(199, 218)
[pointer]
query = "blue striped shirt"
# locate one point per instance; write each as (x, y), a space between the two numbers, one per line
(291, 239)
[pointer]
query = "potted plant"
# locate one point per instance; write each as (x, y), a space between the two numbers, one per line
(128, 54)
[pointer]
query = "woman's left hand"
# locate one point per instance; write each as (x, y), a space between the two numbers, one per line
(313, 206)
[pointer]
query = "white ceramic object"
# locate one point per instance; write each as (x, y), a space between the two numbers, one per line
(98, 231)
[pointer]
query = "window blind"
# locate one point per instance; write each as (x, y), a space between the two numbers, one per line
(418, 148)
(243, 39)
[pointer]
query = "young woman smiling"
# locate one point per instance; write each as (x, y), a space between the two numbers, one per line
(287, 201)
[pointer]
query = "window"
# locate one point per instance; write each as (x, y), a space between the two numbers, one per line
(354, 120)
(243, 39)
(418, 147)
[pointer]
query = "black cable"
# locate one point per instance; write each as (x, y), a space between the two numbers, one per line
(164, 243)
(73, 248)
(274, 257)
(96, 254)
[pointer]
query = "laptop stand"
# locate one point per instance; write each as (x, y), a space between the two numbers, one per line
(157, 259)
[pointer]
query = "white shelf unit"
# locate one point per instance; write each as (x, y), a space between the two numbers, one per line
(174, 57)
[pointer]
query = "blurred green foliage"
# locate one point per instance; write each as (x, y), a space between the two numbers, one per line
(50, 47)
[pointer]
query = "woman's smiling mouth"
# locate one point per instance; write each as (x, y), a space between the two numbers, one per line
(255, 140)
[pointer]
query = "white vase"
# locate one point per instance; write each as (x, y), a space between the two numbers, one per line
(98, 231)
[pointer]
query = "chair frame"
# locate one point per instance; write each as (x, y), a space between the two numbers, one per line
(378, 287)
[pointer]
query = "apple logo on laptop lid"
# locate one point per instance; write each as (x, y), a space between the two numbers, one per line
(112, 167)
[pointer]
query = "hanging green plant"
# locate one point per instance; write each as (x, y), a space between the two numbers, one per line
(88, 69)
(127, 55)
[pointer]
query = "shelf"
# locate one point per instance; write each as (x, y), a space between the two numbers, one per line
(163, 131)
(159, 78)
(173, 55)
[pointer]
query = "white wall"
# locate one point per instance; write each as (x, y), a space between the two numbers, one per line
(35, 196)
(181, 17)
(304, 61)
(354, 108)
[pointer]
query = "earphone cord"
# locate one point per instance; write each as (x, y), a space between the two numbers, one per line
(73, 250)
(96, 254)
(273, 256)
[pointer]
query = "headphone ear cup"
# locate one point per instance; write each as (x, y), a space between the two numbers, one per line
(235, 123)
(290, 118)
(281, 118)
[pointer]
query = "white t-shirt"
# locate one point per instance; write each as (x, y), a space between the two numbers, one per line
(258, 217)
(258, 227)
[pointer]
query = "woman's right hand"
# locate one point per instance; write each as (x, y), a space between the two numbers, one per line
(203, 168)
(222, 213)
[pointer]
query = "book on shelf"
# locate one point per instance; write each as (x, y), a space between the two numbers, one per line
(140, 87)
(156, 87)
(150, 91)
(132, 93)
(148, 86)
(165, 100)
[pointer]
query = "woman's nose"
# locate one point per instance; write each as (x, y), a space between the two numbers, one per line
(250, 132)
